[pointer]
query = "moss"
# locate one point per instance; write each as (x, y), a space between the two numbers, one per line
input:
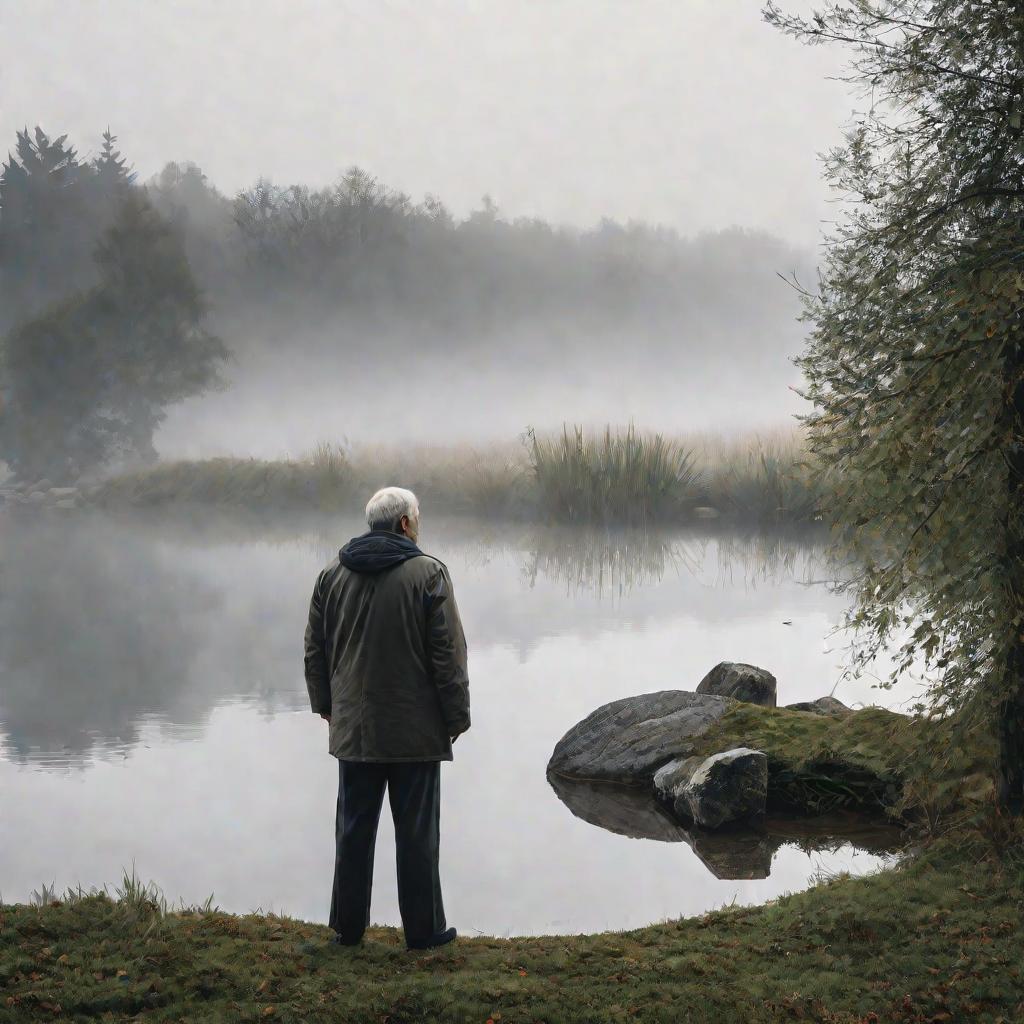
(912, 766)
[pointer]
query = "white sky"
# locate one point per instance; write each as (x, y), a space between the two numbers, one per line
(691, 113)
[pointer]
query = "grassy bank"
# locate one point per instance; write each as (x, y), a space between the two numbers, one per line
(937, 938)
(620, 476)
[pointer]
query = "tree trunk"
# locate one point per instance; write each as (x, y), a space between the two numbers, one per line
(1010, 770)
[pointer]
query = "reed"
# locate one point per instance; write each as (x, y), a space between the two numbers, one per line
(620, 477)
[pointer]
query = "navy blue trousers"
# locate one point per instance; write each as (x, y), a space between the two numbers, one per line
(414, 792)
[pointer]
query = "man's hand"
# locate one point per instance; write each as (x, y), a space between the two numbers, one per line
(455, 737)
(326, 718)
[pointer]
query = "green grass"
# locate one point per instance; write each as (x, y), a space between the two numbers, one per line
(619, 477)
(936, 773)
(936, 940)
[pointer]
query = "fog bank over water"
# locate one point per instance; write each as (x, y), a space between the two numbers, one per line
(702, 340)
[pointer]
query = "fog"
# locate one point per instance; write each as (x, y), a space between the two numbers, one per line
(567, 212)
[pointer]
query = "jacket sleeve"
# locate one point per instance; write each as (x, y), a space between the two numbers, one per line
(446, 644)
(317, 680)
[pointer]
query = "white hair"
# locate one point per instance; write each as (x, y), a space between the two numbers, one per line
(388, 505)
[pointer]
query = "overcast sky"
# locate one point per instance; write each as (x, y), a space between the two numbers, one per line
(690, 113)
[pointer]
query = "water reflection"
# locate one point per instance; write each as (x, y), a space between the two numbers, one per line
(736, 853)
(138, 649)
(105, 620)
(606, 562)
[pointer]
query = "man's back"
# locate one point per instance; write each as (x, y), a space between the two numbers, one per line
(386, 653)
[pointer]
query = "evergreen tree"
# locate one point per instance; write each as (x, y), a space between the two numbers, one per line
(89, 380)
(111, 169)
(915, 363)
(46, 228)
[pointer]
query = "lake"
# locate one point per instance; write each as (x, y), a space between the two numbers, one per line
(153, 711)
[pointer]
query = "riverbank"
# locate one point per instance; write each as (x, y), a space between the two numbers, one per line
(620, 476)
(936, 940)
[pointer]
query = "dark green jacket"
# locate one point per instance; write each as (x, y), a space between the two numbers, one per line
(385, 655)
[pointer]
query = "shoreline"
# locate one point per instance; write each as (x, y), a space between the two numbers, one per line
(839, 952)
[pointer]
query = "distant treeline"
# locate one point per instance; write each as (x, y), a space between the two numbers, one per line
(359, 246)
(114, 294)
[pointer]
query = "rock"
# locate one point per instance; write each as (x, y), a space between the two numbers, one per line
(63, 492)
(628, 740)
(730, 786)
(671, 777)
(741, 682)
(632, 811)
(822, 706)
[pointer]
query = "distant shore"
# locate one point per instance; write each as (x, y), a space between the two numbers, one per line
(619, 478)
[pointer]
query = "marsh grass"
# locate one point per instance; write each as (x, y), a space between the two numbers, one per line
(765, 477)
(620, 476)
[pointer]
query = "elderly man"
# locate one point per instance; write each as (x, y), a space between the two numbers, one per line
(386, 667)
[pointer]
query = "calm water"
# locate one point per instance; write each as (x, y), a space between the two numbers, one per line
(153, 713)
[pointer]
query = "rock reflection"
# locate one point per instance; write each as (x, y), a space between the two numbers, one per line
(737, 853)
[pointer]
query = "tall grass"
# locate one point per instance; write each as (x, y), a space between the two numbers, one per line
(620, 477)
(764, 478)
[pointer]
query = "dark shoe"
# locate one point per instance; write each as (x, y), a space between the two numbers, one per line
(337, 939)
(440, 939)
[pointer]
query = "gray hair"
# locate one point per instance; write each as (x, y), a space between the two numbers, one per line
(388, 505)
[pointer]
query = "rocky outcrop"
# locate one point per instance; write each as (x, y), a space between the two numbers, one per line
(821, 706)
(741, 682)
(628, 740)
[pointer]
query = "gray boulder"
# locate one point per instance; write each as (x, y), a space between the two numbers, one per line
(628, 740)
(822, 706)
(670, 778)
(741, 682)
(730, 786)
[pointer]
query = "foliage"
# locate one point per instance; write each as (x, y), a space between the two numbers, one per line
(915, 362)
(88, 381)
